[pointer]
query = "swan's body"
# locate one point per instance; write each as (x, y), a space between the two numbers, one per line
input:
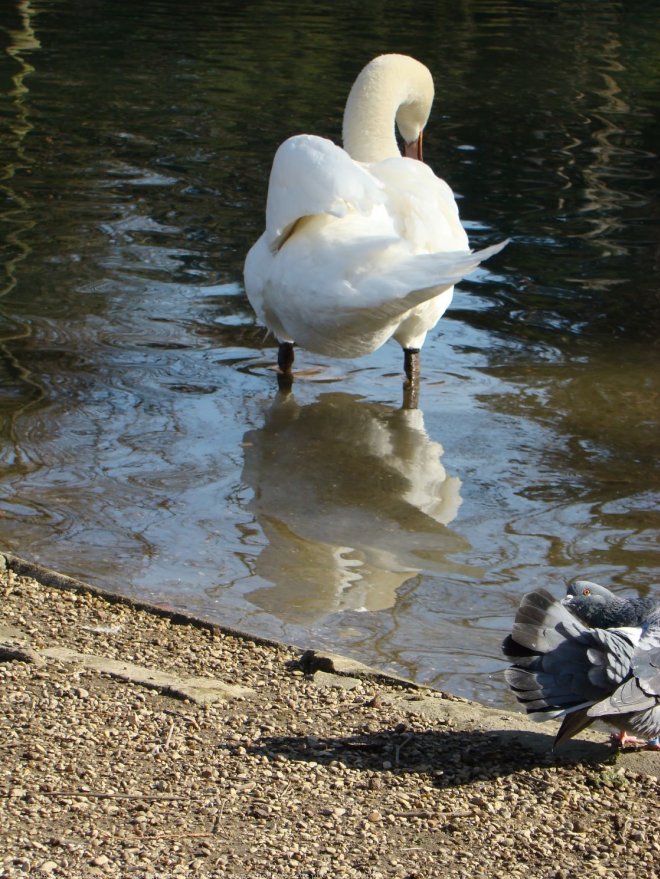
(361, 244)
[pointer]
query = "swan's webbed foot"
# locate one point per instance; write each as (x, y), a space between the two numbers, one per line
(285, 358)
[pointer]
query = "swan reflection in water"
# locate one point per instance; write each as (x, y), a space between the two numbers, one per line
(353, 500)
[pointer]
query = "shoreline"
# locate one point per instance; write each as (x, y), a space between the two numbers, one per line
(141, 741)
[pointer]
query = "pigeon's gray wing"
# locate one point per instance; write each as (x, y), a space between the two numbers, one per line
(646, 661)
(558, 664)
(639, 694)
(607, 656)
(541, 624)
(562, 668)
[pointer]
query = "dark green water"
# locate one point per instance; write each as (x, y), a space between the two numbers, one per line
(142, 443)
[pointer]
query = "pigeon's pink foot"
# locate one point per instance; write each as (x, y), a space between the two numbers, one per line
(623, 740)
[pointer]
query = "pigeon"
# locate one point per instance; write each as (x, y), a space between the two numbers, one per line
(598, 607)
(562, 668)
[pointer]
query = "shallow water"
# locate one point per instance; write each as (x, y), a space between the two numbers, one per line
(144, 445)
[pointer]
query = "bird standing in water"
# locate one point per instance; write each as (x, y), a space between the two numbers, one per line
(362, 244)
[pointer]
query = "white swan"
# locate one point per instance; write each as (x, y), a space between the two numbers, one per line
(361, 243)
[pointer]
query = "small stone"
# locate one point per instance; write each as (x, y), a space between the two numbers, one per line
(48, 867)
(101, 861)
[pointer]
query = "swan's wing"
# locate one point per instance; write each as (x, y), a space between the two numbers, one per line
(366, 307)
(370, 289)
(422, 205)
(310, 176)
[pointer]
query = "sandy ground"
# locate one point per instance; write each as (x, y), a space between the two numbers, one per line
(138, 743)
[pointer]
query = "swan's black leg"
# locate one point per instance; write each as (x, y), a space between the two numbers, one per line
(285, 356)
(285, 362)
(411, 384)
(411, 364)
(410, 396)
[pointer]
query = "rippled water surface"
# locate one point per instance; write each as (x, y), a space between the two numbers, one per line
(144, 445)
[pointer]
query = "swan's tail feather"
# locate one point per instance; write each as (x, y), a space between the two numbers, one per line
(415, 280)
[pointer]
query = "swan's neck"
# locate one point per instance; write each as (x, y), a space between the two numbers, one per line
(391, 88)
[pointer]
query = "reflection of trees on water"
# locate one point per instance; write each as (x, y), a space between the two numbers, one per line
(603, 200)
(572, 145)
(619, 189)
(353, 500)
(22, 42)
(17, 381)
(612, 187)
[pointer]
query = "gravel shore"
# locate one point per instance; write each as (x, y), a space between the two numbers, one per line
(137, 743)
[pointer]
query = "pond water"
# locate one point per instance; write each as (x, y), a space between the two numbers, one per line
(144, 445)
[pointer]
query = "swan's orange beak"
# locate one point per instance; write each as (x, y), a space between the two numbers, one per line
(414, 150)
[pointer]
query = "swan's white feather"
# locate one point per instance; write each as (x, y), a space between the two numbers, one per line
(354, 253)
(310, 175)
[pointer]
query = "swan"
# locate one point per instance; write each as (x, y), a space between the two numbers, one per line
(361, 244)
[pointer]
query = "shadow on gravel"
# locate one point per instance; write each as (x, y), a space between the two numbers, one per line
(453, 758)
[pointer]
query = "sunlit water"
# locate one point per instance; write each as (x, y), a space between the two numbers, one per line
(144, 444)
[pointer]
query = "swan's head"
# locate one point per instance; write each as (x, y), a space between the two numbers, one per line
(391, 88)
(412, 133)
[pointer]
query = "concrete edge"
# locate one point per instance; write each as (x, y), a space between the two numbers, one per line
(310, 660)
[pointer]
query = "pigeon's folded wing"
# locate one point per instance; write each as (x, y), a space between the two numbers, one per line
(562, 668)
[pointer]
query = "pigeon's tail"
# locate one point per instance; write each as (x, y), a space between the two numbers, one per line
(550, 671)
